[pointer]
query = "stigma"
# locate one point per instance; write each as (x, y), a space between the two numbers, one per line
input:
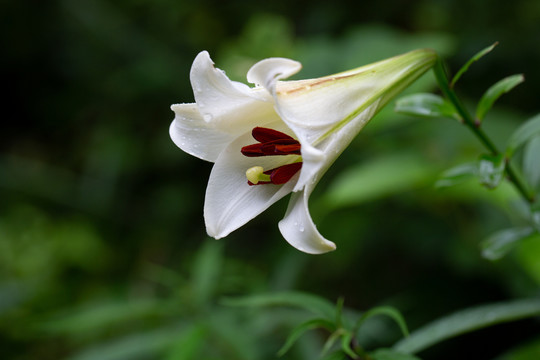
(272, 143)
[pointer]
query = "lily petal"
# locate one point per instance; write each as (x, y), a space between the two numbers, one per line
(332, 146)
(322, 116)
(228, 105)
(230, 202)
(194, 135)
(316, 109)
(266, 72)
(298, 228)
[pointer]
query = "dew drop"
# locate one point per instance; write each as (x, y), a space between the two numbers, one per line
(207, 117)
(301, 228)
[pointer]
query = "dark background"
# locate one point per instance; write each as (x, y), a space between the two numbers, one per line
(103, 252)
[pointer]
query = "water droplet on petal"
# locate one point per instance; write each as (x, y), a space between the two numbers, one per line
(207, 117)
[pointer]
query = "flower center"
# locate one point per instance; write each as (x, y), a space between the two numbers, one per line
(270, 143)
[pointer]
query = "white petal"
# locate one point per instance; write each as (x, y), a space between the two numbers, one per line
(298, 228)
(193, 135)
(230, 202)
(326, 113)
(324, 103)
(228, 105)
(314, 166)
(266, 72)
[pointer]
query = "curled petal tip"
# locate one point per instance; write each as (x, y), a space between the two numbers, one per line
(266, 72)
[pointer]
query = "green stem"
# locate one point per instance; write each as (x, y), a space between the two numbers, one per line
(468, 121)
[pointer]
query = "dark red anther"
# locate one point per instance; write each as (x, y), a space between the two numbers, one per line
(284, 173)
(280, 175)
(271, 142)
(265, 134)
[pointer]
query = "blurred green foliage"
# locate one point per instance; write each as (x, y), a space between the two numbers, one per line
(102, 247)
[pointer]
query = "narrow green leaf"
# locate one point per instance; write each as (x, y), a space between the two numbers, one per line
(527, 130)
(384, 310)
(150, 344)
(491, 170)
(466, 321)
(380, 177)
(339, 312)
(94, 317)
(531, 163)
(529, 350)
(475, 58)
(331, 341)
(500, 243)
(234, 337)
(527, 256)
(388, 354)
(337, 355)
(309, 302)
(206, 271)
(457, 175)
(426, 105)
(494, 92)
(189, 344)
(535, 216)
(298, 331)
(346, 345)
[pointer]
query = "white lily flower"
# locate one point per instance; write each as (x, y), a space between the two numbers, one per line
(279, 136)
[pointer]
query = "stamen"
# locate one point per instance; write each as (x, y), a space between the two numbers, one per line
(270, 143)
(284, 173)
(265, 134)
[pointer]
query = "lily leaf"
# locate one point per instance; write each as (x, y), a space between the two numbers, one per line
(531, 162)
(140, 345)
(494, 92)
(346, 346)
(426, 105)
(535, 216)
(475, 58)
(301, 329)
(388, 354)
(206, 271)
(337, 355)
(491, 170)
(500, 243)
(312, 303)
(388, 311)
(332, 340)
(528, 130)
(466, 321)
(189, 344)
(457, 175)
(378, 178)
